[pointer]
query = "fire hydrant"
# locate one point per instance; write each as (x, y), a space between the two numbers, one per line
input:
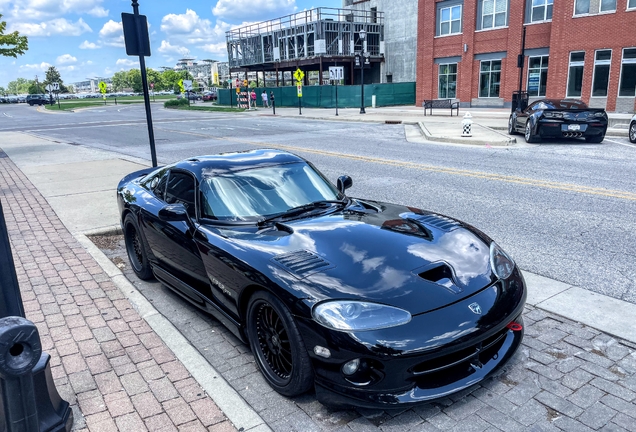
(467, 125)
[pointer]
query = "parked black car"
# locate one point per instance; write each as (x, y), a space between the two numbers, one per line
(190, 95)
(373, 304)
(39, 99)
(559, 118)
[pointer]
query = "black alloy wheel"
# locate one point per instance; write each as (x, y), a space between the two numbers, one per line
(511, 128)
(277, 345)
(632, 132)
(135, 248)
(529, 135)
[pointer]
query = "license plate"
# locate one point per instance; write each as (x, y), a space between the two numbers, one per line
(574, 127)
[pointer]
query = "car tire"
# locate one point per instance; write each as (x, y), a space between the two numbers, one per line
(137, 254)
(632, 132)
(277, 345)
(596, 139)
(511, 129)
(530, 136)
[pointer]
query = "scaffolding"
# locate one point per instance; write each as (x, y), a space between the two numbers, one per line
(307, 35)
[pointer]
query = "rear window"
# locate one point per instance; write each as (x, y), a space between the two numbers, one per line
(570, 104)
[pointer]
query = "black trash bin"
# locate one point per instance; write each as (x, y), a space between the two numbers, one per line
(519, 100)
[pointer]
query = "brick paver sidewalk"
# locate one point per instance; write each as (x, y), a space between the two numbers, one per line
(106, 361)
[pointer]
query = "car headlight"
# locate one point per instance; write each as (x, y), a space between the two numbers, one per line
(348, 315)
(500, 262)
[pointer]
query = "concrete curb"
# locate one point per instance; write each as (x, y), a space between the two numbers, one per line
(469, 141)
(239, 412)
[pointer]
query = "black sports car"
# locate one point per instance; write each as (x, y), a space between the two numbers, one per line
(554, 118)
(373, 304)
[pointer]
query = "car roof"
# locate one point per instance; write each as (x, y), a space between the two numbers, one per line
(224, 163)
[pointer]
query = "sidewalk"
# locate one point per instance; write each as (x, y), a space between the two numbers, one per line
(123, 366)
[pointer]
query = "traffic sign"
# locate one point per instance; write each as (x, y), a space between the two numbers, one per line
(336, 73)
(187, 84)
(237, 83)
(299, 75)
(102, 87)
(181, 87)
(245, 83)
(299, 89)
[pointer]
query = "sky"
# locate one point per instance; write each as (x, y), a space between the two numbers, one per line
(84, 38)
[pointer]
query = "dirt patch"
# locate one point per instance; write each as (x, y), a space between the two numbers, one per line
(557, 354)
(552, 414)
(506, 380)
(110, 242)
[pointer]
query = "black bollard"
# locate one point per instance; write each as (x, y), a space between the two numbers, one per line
(271, 97)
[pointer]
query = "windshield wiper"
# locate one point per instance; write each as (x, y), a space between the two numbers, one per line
(300, 210)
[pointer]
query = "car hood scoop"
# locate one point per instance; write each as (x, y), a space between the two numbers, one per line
(302, 263)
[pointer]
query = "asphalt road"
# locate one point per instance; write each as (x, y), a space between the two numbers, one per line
(565, 210)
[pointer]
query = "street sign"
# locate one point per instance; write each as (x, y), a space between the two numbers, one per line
(130, 24)
(299, 89)
(245, 83)
(336, 73)
(102, 87)
(181, 87)
(362, 61)
(152, 85)
(237, 83)
(299, 75)
(187, 84)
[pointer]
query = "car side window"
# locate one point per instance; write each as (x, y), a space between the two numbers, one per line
(180, 190)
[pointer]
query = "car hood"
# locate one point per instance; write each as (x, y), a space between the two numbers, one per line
(401, 256)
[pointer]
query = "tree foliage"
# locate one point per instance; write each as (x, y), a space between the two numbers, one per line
(53, 76)
(18, 86)
(15, 44)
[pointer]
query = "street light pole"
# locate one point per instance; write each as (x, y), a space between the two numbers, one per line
(363, 35)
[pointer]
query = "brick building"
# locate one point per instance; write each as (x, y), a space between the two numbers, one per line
(467, 50)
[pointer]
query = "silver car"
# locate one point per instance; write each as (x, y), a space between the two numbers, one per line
(632, 129)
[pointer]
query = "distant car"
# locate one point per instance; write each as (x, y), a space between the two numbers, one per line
(38, 99)
(190, 95)
(559, 118)
(632, 130)
(209, 96)
(373, 304)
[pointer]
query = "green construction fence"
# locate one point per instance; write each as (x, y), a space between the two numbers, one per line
(325, 96)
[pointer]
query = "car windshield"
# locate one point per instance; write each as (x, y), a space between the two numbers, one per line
(260, 192)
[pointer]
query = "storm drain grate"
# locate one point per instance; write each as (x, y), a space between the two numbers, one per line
(393, 121)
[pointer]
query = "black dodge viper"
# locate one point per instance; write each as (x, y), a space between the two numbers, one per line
(372, 304)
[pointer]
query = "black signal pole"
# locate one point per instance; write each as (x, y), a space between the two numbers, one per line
(520, 62)
(144, 83)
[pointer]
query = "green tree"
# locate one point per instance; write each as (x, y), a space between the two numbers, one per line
(18, 86)
(134, 79)
(120, 81)
(16, 44)
(53, 77)
(2, 91)
(154, 77)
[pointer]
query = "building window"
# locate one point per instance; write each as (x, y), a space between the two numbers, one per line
(584, 7)
(575, 74)
(537, 75)
(493, 13)
(602, 61)
(628, 73)
(447, 81)
(631, 4)
(541, 10)
(450, 20)
(489, 78)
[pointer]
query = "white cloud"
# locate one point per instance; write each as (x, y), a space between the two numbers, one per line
(46, 9)
(189, 28)
(166, 48)
(65, 59)
(253, 9)
(58, 26)
(126, 62)
(88, 45)
(36, 67)
(220, 49)
(112, 34)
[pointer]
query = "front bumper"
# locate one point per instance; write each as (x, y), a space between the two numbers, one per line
(438, 353)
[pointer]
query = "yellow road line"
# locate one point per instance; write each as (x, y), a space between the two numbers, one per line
(631, 196)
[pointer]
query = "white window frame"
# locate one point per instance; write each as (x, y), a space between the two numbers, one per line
(541, 68)
(570, 65)
(594, 12)
(494, 14)
(544, 5)
(620, 80)
(490, 78)
(609, 73)
(451, 20)
(439, 74)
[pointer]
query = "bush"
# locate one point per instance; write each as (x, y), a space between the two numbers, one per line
(174, 103)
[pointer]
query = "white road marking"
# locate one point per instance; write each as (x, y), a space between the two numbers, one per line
(6, 115)
(623, 144)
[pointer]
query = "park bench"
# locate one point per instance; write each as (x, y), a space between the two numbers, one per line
(440, 103)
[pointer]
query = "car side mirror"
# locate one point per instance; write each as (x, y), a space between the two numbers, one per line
(174, 213)
(344, 183)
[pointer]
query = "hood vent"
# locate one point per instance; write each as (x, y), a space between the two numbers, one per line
(302, 263)
(441, 275)
(440, 222)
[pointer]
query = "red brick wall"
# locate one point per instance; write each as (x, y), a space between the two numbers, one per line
(565, 33)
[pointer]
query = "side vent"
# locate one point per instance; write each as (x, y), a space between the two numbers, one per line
(302, 263)
(441, 275)
(437, 221)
